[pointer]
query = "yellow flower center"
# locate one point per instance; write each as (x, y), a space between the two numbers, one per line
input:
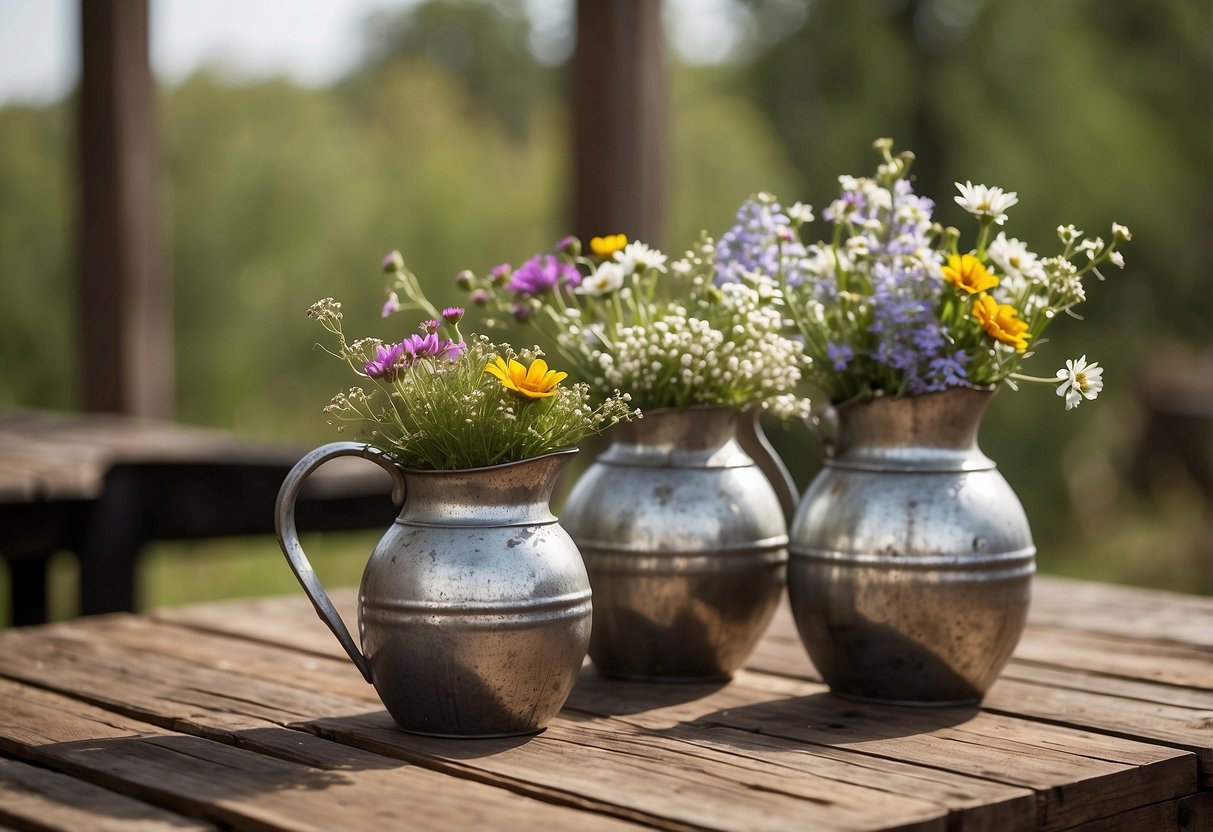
(968, 274)
(534, 382)
(1080, 381)
(604, 247)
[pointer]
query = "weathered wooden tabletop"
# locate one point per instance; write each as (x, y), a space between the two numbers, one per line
(245, 715)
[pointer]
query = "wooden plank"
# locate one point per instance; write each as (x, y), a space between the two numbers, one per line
(613, 768)
(1128, 658)
(229, 785)
(1129, 612)
(1187, 814)
(1077, 775)
(1076, 692)
(36, 798)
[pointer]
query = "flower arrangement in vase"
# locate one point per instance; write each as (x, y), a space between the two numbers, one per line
(475, 607)
(911, 557)
(683, 533)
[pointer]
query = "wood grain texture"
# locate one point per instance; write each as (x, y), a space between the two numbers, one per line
(37, 798)
(231, 785)
(1061, 743)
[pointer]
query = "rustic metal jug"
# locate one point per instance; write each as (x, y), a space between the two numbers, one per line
(474, 609)
(911, 557)
(685, 540)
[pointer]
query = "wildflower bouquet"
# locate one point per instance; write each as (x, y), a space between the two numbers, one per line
(666, 333)
(890, 303)
(435, 401)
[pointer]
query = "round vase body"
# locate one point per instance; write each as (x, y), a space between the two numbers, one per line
(686, 545)
(911, 557)
(475, 609)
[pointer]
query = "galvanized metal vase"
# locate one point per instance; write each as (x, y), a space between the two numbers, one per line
(474, 610)
(685, 541)
(911, 557)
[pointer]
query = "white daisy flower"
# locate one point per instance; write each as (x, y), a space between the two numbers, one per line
(1014, 258)
(608, 277)
(986, 202)
(638, 257)
(1079, 380)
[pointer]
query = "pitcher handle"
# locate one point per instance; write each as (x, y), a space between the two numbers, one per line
(288, 536)
(755, 443)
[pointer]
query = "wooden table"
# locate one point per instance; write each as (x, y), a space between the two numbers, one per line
(245, 715)
(103, 485)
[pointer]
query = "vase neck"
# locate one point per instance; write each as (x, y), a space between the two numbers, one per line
(932, 432)
(514, 494)
(693, 437)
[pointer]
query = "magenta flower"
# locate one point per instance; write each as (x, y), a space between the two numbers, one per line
(393, 262)
(392, 305)
(419, 346)
(522, 311)
(388, 362)
(570, 245)
(430, 326)
(479, 297)
(449, 350)
(500, 273)
(542, 273)
(452, 314)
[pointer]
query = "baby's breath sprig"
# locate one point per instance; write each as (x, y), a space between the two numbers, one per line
(616, 312)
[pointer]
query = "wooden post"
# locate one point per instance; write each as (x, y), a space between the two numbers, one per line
(619, 115)
(124, 310)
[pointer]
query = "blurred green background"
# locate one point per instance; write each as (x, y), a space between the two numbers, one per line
(450, 141)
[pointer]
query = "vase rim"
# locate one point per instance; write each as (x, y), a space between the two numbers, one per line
(882, 396)
(559, 452)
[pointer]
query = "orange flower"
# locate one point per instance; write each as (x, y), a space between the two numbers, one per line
(967, 273)
(538, 382)
(1000, 321)
(604, 247)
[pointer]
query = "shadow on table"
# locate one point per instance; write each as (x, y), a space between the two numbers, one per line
(596, 695)
(376, 732)
(824, 719)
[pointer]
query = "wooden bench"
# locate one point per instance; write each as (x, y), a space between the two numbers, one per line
(102, 486)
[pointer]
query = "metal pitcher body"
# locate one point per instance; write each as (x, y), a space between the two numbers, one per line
(686, 546)
(474, 610)
(911, 557)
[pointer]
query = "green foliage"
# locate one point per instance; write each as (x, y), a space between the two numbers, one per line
(276, 195)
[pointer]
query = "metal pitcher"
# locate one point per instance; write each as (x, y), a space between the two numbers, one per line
(911, 557)
(474, 610)
(685, 540)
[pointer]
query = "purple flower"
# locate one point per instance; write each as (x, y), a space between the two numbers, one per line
(522, 311)
(452, 314)
(429, 327)
(479, 297)
(570, 245)
(464, 279)
(449, 350)
(761, 240)
(392, 305)
(393, 262)
(500, 273)
(388, 362)
(542, 273)
(839, 355)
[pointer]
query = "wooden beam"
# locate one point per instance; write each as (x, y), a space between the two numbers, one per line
(124, 310)
(619, 119)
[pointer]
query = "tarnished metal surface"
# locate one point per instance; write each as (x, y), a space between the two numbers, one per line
(911, 557)
(474, 609)
(686, 545)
